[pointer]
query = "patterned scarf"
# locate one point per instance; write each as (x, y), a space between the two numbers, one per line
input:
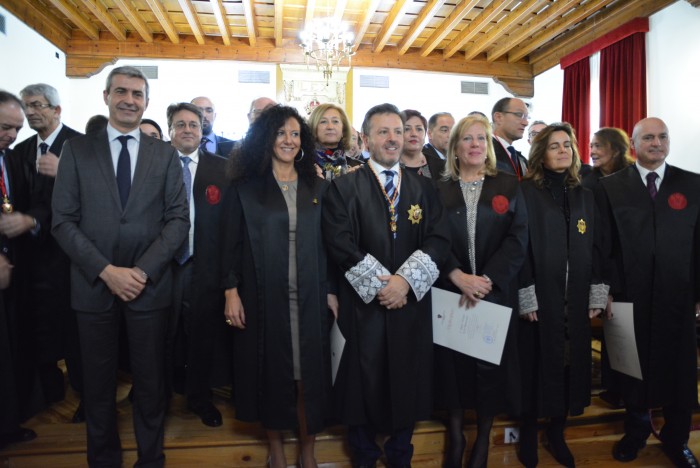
(332, 162)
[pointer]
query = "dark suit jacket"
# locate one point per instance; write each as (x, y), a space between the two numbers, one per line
(503, 161)
(429, 150)
(93, 229)
(224, 146)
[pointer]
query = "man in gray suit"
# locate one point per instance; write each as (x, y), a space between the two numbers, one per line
(120, 213)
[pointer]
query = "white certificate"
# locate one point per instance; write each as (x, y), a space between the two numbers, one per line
(620, 341)
(479, 332)
(337, 345)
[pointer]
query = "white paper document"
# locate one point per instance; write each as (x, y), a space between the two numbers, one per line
(479, 332)
(337, 345)
(620, 341)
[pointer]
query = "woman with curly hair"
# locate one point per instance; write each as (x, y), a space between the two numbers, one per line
(559, 293)
(331, 128)
(274, 267)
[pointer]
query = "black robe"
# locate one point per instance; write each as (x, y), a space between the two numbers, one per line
(385, 374)
(500, 247)
(256, 261)
(654, 262)
(546, 353)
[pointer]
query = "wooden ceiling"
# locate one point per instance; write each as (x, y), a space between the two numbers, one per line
(509, 40)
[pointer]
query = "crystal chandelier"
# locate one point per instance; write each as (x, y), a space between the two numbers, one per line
(327, 42)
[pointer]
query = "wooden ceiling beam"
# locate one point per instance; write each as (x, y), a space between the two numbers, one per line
(249, 13)
(106, 18)
(77, 18)
(339, 10)
(134, 18)
(519, 15)
(221, 20)
(191, 16)
(427, 13)
(518, 74)
(541, 21)
(475, 27)
(593, 28)
(279, 22)
(42, 20)
(392, 21)
(164, 19)
(364, 23)
(556, 28)
(310, 10)
(451, 22)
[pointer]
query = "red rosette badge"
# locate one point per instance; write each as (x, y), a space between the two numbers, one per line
(213, 195)
(677, 201)
(499, 203)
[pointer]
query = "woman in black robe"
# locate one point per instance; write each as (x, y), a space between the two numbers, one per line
(412, 156)
(610, 152)
(331, 128)
(488, 224)
(274, 267)
(559, 293)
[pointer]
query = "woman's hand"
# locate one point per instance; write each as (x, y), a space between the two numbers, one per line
(531, 317)
(235, 316)
(593, 313)
(473, 288)
(333, 304)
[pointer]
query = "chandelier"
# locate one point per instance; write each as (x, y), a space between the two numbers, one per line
(327, 43)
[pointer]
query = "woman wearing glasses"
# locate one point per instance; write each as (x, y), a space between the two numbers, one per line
(274, 267)
(559, 293)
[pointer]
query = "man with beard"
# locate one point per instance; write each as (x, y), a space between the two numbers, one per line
(210, 141)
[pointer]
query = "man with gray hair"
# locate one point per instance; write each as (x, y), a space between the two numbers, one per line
(257, 106)
(54, 334)
(120, 213)
(439, 128)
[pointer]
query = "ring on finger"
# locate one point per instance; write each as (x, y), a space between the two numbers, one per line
(229, 322)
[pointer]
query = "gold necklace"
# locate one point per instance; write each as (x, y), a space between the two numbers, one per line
(391, 201)
(284, 185)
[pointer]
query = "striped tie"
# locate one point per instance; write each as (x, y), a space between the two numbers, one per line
(389, 184)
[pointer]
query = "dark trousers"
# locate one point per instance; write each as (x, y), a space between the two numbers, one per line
(175, 338)
(99, 341)
(365, 451)
(675, 431)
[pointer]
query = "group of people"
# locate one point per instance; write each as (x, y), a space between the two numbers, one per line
(306, 221)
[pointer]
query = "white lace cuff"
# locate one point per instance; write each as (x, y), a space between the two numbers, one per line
(420, 271)
(527, 300)
(598, 296)
(363, 278)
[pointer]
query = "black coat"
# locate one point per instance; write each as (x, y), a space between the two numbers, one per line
(385, 373)
(256, 261)
(500, 248)
(546, 352)
(654, 262)
(503, 161)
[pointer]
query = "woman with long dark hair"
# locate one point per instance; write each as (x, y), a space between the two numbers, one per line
(274, 267)
(559, 293)
(610, 152)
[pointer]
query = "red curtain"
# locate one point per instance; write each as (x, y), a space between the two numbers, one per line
(576, 108)
(623, 83)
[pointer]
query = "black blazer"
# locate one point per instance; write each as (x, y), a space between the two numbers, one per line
(503, 161)
(224, 146)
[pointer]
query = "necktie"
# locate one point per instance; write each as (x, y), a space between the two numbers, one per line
(515, 159)
(651, 184)
(389, 184)
(124, 170)
(203, 144)
(43, 148)
(184, 253)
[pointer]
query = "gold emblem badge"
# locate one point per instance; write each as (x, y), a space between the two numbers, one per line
(581, 225)
(415, 214)
(315, 201)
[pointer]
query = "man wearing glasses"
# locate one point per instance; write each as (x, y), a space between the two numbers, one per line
(510, 118)
(54, 328)
(197, 298)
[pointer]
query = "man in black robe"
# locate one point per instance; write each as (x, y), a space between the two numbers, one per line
(652, 218)
(380, 220)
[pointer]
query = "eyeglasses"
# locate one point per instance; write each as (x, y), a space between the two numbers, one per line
(36, 105)
(182, 125)
(519, 115)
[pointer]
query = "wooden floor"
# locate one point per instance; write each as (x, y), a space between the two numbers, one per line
(188, 443)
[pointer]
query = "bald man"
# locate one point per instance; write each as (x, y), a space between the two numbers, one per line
(210, 141)
(651, 222)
